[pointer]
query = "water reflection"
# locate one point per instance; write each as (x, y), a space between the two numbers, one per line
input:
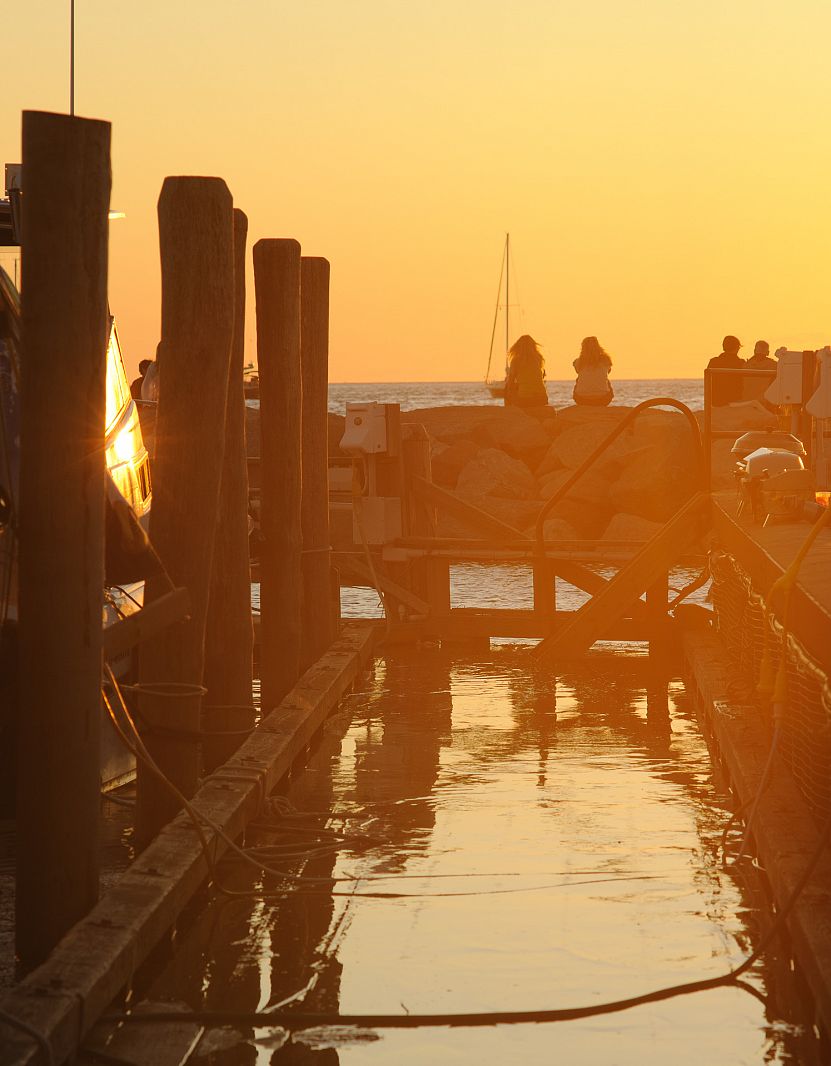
(520, 842)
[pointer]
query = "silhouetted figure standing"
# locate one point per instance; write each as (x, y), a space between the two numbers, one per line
(525, 383)
(135, 385)
(593, 364)
(726, 390)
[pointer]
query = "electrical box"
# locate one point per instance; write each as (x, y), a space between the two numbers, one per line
(365, 432)
(786, 387)
(379, 520)
(819, 404)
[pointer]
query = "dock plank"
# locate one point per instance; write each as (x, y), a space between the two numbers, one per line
(65, 996)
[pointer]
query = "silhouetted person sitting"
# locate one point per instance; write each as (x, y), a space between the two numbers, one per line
(724, 390)
(761, 360)
(135, 386)
(593, 364)
(525, 383)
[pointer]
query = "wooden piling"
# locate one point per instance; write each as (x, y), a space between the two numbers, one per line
(277, 294)
(61, 524)
(429, 577)
(196, 239)
(229, 634)
(318, 620)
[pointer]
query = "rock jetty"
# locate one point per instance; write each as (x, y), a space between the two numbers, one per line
(509, 462)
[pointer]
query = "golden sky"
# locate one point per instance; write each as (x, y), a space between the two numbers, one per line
(663, 167)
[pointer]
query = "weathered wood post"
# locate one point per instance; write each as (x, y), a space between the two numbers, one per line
(318, 620)
(61, 524)
(229, 634)
(430, 576)
(277, 294)
(196, 241)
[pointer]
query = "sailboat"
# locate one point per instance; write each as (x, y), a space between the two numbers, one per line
(497, 387)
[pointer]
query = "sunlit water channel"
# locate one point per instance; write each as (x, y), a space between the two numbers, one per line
(549, 842)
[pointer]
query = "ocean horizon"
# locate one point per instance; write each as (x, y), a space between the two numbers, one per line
(417, 394)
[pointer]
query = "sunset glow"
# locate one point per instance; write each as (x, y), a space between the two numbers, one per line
(662, 168)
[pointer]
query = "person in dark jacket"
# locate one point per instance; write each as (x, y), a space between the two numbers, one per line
(135, 386)
(724, 390)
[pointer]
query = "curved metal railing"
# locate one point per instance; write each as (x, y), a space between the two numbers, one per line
(658, 401)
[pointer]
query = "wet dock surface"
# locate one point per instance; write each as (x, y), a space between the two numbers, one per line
(466, 839)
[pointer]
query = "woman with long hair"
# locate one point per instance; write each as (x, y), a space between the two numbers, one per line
(525, 383)
(593, 365)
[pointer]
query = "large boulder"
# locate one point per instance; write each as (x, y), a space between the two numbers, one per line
(493, 473)
(590, 488)
(508, 428)
(583, 430)
(450, 459)
(587, 519)
(518, 514)
(557, 529)
(631, 527)
(655, 480)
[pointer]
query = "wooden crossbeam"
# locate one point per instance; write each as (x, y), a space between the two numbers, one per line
(467, 623)
(489, 527)
(359, 569)
(155, 616)
(616, 598)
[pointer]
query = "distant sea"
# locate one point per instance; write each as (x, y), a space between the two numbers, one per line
(413, 394)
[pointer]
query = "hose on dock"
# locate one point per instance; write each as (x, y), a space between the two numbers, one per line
(293, 1022)
(299, 1021)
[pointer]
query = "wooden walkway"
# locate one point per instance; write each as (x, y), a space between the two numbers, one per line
(63, 998)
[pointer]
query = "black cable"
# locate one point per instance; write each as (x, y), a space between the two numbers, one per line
(294, 1022)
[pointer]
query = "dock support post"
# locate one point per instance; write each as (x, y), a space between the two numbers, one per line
(657, 601)
(196, 241)
(277, 294)
(61, 524)
(229, 634)
(318, 619)
(429, 577)
(545, 592)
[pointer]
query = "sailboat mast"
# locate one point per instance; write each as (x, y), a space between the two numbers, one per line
(507, 293)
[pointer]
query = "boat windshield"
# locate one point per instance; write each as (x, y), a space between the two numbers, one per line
(118, 388)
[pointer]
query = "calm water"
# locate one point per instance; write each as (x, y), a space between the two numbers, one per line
(451, 393)
(469, 836)
(549, 841)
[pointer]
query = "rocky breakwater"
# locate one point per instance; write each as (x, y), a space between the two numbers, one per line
(510, 462)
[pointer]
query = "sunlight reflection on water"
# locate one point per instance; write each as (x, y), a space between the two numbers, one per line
(553, 841)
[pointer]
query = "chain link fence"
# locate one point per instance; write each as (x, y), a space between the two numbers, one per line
(745, 628)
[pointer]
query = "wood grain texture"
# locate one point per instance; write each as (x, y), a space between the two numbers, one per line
(318, 619)
(61, 522)
(277, 291)
(229, 635)
(196, 240)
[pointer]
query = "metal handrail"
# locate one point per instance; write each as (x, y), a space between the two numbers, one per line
(658, 401)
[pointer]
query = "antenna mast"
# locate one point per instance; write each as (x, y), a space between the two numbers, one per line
(72, 57)
(507, 291)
